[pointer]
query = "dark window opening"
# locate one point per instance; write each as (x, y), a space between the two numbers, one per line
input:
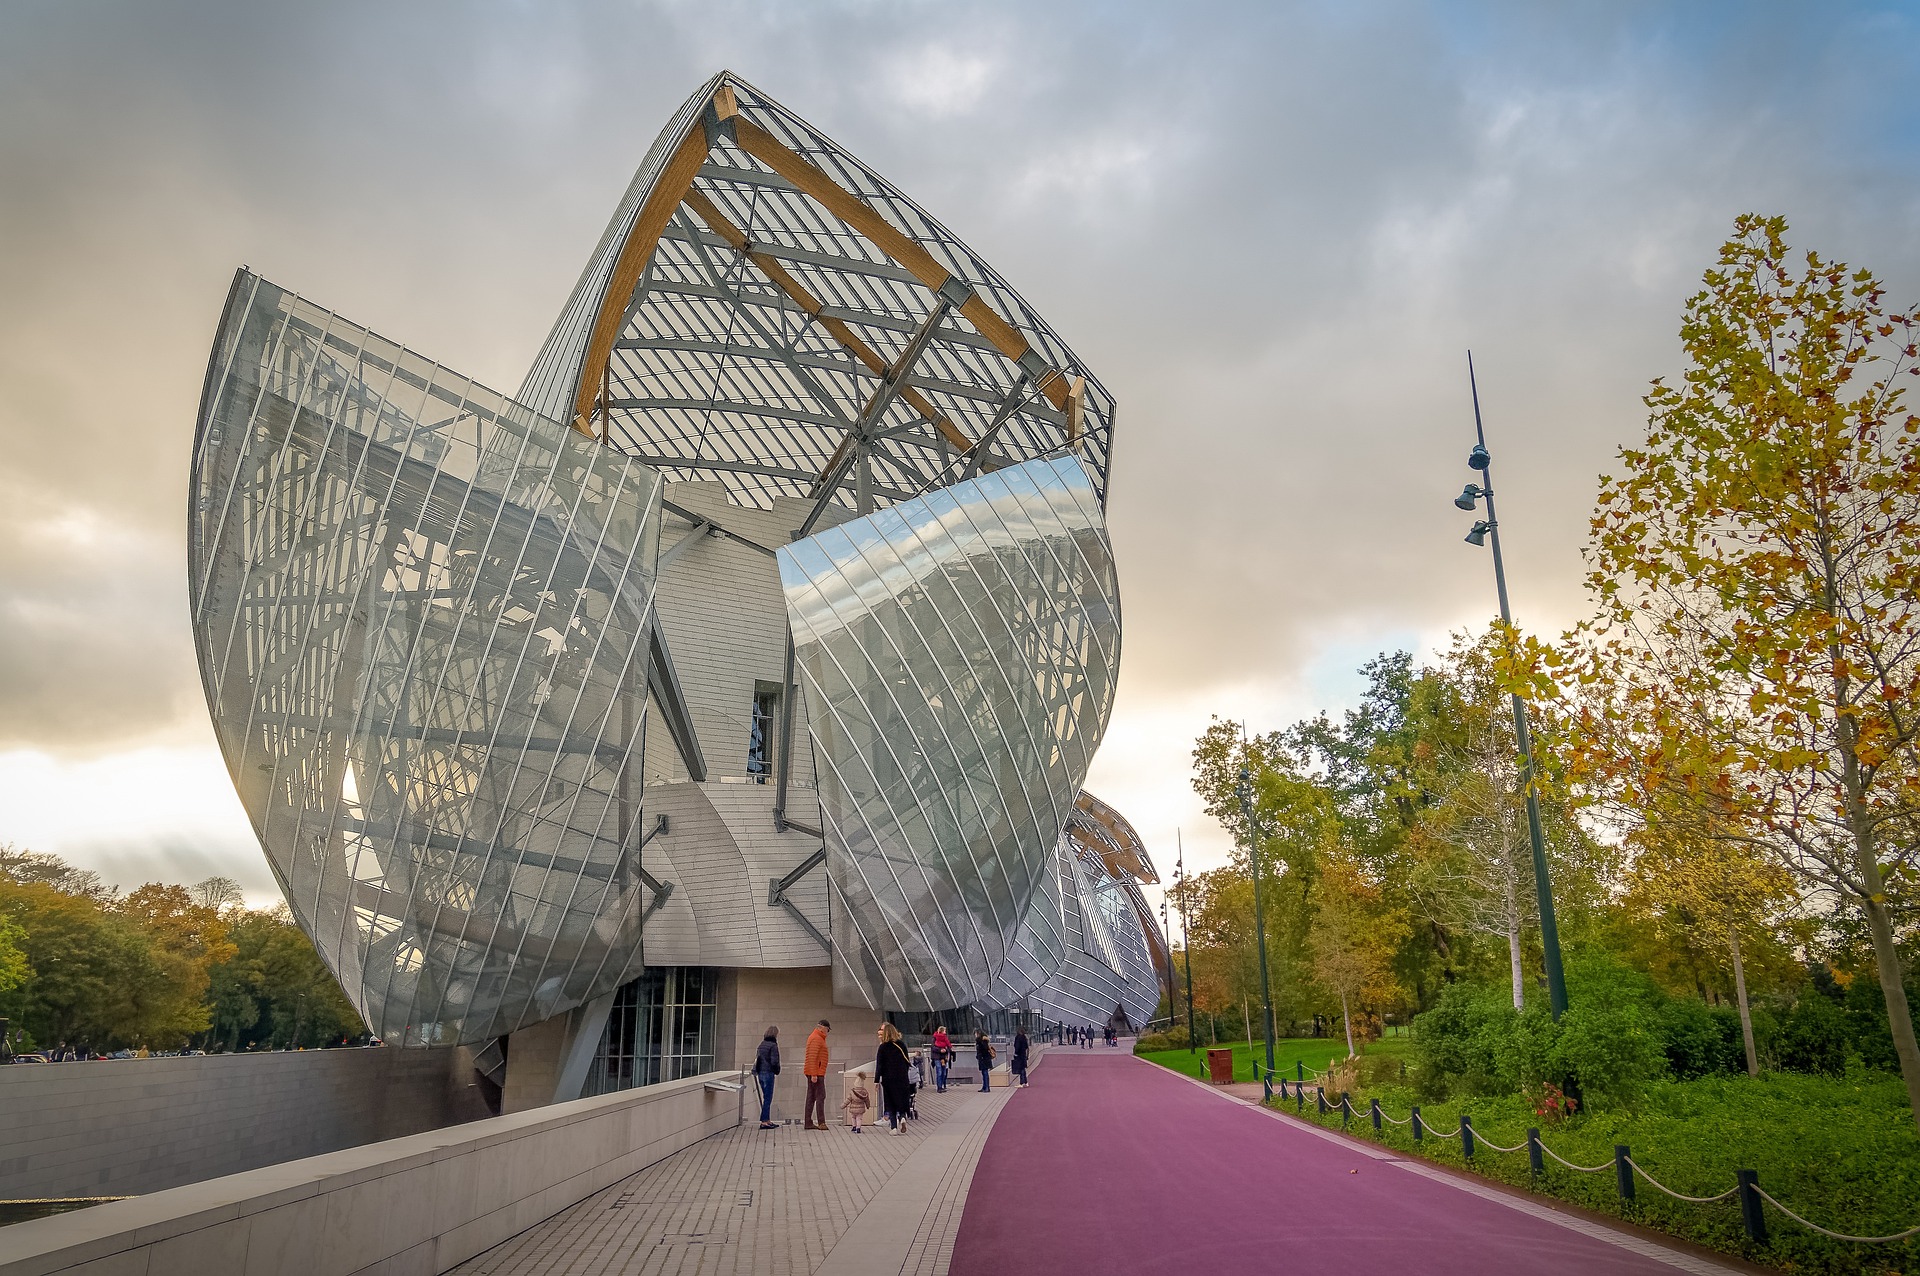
(766, 715)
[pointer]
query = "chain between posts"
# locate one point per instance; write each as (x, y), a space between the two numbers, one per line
(1746, 1186)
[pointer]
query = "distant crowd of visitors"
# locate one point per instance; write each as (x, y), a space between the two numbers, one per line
(897, 1072)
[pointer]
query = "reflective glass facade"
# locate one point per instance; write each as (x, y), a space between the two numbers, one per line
(958, 655)
(431, 629)
(421, 613)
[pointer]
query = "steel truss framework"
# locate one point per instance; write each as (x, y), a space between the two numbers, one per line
(766, 310)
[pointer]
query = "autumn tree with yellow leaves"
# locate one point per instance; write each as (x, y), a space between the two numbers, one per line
(1755, 662)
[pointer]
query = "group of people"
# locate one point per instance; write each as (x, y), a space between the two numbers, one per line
(1070, 1035)
(896, 1071)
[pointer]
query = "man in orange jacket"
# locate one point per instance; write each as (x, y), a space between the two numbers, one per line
(815, 1070)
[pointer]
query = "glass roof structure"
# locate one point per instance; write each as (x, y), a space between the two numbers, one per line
(766, 310)
(428, 630)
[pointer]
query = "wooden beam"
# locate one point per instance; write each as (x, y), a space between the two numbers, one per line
(1076, 408)
(655, 212)
(889, 239)
(718, 223)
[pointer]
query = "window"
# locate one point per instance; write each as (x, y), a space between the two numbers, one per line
(766, 714)
(661, 1028)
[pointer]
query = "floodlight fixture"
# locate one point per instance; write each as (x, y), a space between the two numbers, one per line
(1478, 458)
(1478, 536)
(1469, 496)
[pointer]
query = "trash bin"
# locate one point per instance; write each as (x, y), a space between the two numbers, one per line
(1220, 1067)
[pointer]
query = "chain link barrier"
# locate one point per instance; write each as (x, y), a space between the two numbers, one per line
(1481, 1140)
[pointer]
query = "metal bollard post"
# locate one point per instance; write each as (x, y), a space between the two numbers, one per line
(1376, 1115)
(1299, 1096)
(1346, 1111)
(1750, 1211)
(1283, 1087)
(1419, 1131)
(1299, 1070)
(1320, 1097)
(1466, 1136)
(1622, 1172)
(1535, 1161)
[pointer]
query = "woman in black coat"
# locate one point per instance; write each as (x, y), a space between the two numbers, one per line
(983, 1051)
(890, 1070)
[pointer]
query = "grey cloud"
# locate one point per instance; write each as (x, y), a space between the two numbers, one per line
(1272, 229)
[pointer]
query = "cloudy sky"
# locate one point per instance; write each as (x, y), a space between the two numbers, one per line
(1273, 230)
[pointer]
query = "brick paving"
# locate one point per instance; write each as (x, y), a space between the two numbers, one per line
(766, 1202)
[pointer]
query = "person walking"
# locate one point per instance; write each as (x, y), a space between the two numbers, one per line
(815, 1070)
(983, 1051)
(857, 1103)
(766, 1066)
(1020, 1054)
(942, 1057)
(890, 1070)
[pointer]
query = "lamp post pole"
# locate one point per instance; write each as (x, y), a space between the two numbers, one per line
(1245, 792)
(1489, 528)
(1186, 944)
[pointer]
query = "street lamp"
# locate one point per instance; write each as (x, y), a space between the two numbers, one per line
(1479, 459)
(1186, 942)
(1245, 792)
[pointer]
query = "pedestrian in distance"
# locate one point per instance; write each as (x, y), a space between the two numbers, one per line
(858, 1101)
(815, 1070)
(766, 1066)
(942, 1058)
(890, 1070)
(983, 1051)
(1020, 1054)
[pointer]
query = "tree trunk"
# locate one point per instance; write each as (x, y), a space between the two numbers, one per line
(1513, 950)
(1740, 994)
(1886, 958)
(1347, 1019)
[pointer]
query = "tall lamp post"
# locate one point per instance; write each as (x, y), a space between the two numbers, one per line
(1186, 944)
(1245, 791)
(1483, 529)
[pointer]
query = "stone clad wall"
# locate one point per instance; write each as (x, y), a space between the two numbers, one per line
(126, 1127)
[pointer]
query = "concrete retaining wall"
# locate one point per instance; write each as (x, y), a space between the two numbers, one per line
(123, 1127)
(419, 1205)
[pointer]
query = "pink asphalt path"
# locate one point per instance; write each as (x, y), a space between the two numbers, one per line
(1108, 1164)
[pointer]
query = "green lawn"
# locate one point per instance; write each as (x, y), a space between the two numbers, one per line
(1314, 1052)
(1841, 1152)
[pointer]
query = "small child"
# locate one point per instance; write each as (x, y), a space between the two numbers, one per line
(913, 1089)
(858, 1101)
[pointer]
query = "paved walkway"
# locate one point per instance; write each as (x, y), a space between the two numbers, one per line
(771, 1202)
(1109, 1164)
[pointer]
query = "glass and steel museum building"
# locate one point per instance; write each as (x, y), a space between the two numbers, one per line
(744, 667)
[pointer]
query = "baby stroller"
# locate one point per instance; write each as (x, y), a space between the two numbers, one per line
(913, 1089)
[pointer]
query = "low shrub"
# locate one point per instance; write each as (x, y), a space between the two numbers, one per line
(1173, 1039)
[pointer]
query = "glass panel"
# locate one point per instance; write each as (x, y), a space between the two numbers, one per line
(958, 654)
(661, 1028)
(420, 611)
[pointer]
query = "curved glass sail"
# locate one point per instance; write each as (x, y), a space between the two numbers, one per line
(958, 653)
(422, 614)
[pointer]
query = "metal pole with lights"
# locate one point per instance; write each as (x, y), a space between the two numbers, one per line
(1245, 792)
(1186, 944)
(1484, 528)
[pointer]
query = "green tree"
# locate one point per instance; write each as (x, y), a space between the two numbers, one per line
(1757, 568)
